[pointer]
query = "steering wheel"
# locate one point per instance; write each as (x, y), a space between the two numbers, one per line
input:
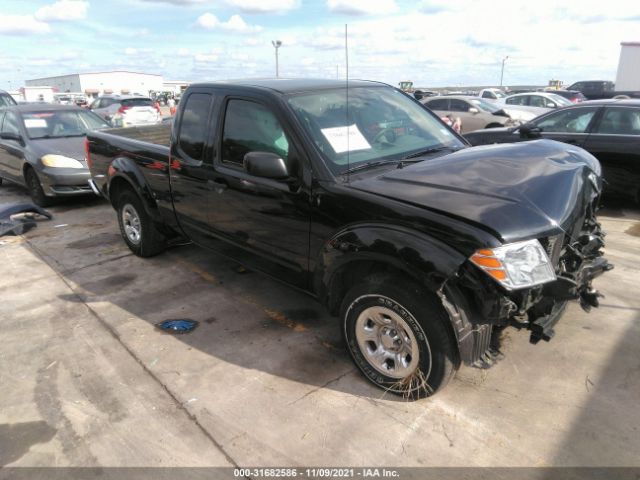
(381, 136)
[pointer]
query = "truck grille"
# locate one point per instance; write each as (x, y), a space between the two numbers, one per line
(553, 246)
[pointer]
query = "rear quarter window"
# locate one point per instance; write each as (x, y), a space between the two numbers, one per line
(194, 125)
(137, 102)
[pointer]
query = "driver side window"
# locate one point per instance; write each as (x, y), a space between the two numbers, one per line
(251, 127)
(575, 120)
(10, 124)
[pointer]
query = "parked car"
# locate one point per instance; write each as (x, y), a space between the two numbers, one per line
(492, 94)
(6, 100)
(42, 148)
(602, 89)
(608, 129)
(474, 112)
(421, 245)
(62, 99)
(127, 111)
(574, 96)
(536, 99)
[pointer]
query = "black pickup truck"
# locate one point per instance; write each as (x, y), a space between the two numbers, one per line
(602, 89)
(423, 246)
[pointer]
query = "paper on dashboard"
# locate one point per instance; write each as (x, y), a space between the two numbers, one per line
(347, 138)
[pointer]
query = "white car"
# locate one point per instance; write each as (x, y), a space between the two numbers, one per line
(492, 94)
(537, 99)
(127, 111)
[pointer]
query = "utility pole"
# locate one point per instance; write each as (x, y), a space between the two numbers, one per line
(502, 71)
(276, 44)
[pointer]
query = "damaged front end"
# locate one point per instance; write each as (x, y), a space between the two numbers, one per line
(564, 267)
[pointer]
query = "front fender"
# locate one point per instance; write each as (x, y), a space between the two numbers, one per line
(424, 259)
(124, 169)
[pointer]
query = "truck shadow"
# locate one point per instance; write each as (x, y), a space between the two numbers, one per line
(245, 318)
(606, 431)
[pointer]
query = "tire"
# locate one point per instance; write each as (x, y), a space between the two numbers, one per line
(402, 321)
(494, 125)
(137, 228)
(35, 189)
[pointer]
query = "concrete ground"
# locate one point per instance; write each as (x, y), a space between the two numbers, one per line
(86, 378)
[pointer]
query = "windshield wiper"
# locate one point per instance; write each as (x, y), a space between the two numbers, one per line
(368, 165)
(429, 151)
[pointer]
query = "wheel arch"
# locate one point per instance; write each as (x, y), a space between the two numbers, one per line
(364, 249)
(125, 174)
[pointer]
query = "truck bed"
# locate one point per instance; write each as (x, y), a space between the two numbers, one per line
(148, 146)
(157, 134)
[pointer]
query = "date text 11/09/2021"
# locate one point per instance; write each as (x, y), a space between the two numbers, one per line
(316, 472)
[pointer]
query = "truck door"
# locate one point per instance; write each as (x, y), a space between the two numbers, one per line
(267, 219)
(191, 166)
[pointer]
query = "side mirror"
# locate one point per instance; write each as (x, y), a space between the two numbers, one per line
(473, 110)
(551, 105)
(266, 165)
(529, 130)
(16, 137)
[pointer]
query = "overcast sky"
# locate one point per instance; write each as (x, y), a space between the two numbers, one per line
(431, 42)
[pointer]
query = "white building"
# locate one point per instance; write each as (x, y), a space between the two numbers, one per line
(628, 77)
(174, 86)
(36, 94)
(100, 83)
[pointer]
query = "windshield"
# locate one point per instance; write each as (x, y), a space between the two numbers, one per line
(484, 105)
(380, 124)
(137, 102)
(61, 123)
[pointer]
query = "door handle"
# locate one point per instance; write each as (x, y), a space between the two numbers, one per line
(217, 185)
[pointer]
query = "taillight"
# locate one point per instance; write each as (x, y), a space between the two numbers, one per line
(87, 154)
(123, 108)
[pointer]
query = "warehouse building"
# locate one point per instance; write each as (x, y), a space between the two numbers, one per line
(100, 83)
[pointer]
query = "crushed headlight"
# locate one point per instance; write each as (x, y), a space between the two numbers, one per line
(516, 265)
(59, 161)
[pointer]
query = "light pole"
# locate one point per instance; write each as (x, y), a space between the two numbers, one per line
(502, 71)
(276, 44)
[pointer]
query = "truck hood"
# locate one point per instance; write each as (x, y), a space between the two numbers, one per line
(514, 191)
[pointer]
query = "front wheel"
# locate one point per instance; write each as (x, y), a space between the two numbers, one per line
(137, 228)
(35, 189)
(397, 335)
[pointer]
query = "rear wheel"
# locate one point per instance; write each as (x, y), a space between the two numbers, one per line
(136, 226)
(398, 336)
(35, 189)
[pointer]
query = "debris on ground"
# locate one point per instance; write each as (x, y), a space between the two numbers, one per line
(22, 224)
(178, 325)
